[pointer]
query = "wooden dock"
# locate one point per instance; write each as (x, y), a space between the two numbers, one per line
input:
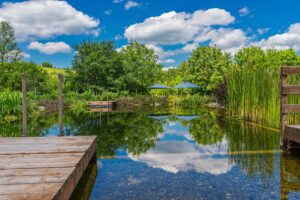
(43, 167)
(290, 134)
(101, 104)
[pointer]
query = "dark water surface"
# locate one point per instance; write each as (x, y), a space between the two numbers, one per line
(176, 155)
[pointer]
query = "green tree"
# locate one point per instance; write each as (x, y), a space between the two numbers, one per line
(47, 65)
(97, 64)
(140, 65)
(9, 51)
(207, 67)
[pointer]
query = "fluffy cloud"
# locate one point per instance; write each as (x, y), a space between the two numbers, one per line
(176, 28)
(213, 16)
(289, 39)
(45, 19)
(262, 31)
(167, 61)
(175, 156)
(229, 40)
(50, 47)
(131, 4)
(244, 11)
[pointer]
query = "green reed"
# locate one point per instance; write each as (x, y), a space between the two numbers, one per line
(254, 94)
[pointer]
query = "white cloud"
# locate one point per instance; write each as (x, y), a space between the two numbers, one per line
(36, 19)
(244, 11)
(175, 156)
(176, 28)
(50, 47)
(229, 40)
(131, 4)
(289, 39)
(25, 55)
(262, 31)
(118, 37)
(189, 48)
(213, 16)
(108, 12)
(118, 1)
(167, 61)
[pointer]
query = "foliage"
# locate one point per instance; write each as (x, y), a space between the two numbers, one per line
(11, 105)
(97, 64)
(11, 73)
(47, 65)
(253, 84)
(140, 67)
(207, 67)
(9, 51)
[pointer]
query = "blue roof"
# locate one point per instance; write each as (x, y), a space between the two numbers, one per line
(158, 86)
(187, 85)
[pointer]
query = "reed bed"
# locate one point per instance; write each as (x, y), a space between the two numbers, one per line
(254, 95)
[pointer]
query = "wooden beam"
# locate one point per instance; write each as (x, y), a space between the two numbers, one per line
(60, 105)
(290, 108)
(290, 70)
(24, 106)
(291, 89)
(283, 116)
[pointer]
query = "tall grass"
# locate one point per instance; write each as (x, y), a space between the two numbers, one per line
(254, 94)
(11, 104)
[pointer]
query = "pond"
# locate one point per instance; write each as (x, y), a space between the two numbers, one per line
(176, 154)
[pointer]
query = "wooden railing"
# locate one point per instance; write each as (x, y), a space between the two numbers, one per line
(286, 108)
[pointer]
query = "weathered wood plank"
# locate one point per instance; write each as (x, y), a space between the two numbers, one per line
(35, 172)
(292, 132)
(290, 108)
(291, 89)
(291, 70)
(43, 168)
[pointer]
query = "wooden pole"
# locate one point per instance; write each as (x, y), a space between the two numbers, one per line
(60, 105)
(283, 116)
(24, 106)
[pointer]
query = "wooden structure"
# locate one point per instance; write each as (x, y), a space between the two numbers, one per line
(289, 134)
(43, 167)
(289, 175)
(102, 104)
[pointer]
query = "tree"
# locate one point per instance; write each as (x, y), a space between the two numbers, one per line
(47, 65)
(207, 67)
(9, 51)
(140, 65)
(97, 64)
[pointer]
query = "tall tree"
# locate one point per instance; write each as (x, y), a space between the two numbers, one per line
(9, 51)
(207, 67)
(141, 67)
(97, 65)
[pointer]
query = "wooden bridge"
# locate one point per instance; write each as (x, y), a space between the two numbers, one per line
(43, 167)
(290, 134)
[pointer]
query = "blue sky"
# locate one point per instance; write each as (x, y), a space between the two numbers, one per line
(47, 30)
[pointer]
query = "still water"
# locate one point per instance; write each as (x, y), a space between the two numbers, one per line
(163, 154)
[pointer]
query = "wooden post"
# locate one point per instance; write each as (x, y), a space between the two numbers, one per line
(60, 105)
(283, 116)
(24, 106)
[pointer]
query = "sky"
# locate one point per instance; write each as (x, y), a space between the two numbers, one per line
(47, 30)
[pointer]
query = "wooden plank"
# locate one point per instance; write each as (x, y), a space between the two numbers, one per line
(68, 187)
(35, 172)
(291, 70)
(291, 89)
(290, 108)
(292, 133)
(51, 171)
(283, 116)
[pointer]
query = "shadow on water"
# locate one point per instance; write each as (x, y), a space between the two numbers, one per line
(176, 154)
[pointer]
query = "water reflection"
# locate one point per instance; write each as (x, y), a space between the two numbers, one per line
(176, 155)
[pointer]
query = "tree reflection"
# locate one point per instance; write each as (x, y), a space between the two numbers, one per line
(134, 132)
(206, 130)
